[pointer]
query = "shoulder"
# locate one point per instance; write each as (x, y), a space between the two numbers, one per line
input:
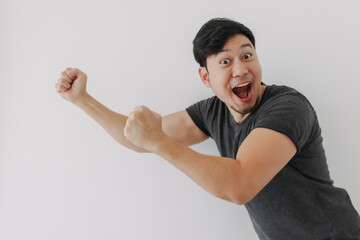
(210, 115)
(214, 100)
(287, 111)
(199, 113)
(277, 97)
(206, 106)
(282, 91)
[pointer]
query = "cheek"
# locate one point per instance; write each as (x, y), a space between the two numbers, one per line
(224, 77)
(256, 69)
(219, 79)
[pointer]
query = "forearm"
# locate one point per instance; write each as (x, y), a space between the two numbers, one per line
(219, 176)
(112, 122)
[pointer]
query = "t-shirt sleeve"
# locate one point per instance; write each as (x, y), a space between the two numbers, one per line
(289, 114)
(197, 112)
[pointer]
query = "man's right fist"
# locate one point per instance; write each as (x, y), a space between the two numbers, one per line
(71, 85)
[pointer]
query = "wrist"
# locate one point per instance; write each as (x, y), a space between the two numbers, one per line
(168, 147)
(159, 143)
(82, 101)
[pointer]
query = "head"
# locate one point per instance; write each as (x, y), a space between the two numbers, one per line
(225, 50)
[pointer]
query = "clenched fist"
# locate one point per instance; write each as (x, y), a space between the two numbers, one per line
(144, 128)
(72, 84)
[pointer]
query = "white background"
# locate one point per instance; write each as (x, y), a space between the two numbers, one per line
(63, 177)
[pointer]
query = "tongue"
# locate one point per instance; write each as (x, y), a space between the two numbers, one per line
(241, 92)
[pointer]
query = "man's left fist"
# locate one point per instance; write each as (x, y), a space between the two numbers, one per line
(144, 128)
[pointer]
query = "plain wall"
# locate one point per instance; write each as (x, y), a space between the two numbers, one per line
(63, 177)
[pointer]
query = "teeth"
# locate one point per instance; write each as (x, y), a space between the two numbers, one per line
(242, 85)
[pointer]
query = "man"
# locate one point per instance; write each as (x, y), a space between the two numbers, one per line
(272, 157)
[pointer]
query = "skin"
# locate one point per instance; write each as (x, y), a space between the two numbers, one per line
(260, 157)
(237, 63)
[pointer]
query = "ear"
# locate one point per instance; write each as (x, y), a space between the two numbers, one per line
(204, 75)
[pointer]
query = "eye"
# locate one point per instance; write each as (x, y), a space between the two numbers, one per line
(247, 56)
(225, 61)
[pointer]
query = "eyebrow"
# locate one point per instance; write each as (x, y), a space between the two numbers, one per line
(242, 46)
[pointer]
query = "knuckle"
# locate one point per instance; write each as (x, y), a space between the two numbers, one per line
(131, 116)
(126, 134)
(141, 108)
(79, 72)
(64, 83)
(135, 114)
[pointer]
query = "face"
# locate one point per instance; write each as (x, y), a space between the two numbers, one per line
(234, 74)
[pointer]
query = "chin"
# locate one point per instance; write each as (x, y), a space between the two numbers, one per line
(242, 111)
(247, 109)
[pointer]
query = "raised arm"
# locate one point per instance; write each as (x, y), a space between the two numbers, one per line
(180, 127)
(261, 156)
(72, 87)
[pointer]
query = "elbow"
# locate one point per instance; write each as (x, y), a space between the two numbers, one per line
(240, 200)
(238, 195)
(244, 192)
(241, 197)
(139, 150)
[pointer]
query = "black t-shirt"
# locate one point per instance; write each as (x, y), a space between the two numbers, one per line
(300, 202)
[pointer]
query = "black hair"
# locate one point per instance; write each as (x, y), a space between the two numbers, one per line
(213, 35)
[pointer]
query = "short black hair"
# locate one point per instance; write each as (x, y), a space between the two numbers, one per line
(213, 35)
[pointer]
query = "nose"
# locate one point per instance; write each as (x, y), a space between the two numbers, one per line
(239, 69)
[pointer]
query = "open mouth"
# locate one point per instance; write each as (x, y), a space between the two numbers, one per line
(242, 90)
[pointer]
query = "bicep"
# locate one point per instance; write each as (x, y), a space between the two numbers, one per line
(181, 127)
(262, 155)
